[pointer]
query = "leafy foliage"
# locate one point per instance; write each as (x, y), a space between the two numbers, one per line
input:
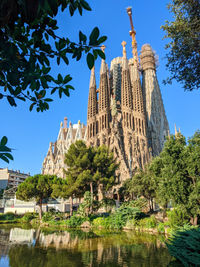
(88, 169)
(177, 217)
(88, 206)
(185, 246)
(5, 154)
(38, 187)
(184, 56)
(75, 221)
(29, 47)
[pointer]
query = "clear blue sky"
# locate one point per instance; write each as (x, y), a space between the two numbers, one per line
(29, 133)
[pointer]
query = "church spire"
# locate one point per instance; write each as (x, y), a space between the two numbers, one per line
(126, 90)
(92, 99)
(103, 68)
(104, 96)
(133, 34)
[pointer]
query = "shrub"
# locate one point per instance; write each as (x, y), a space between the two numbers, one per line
(177, 217)
(28, 216)
(75, 221)
(101, 222)
(140, 203)
(47, 216)
(161, 227)
(128, 213)
(108, 204)
(149, 222)
(185, 247)
(8, 216)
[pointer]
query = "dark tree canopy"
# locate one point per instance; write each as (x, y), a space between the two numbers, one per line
(183, 58)
(29, 46)
(38, 187)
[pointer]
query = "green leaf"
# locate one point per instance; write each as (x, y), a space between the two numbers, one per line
(65, 59)
(101, 53)
(4, 158)
(4, 141)
(1, 96)
(60, 92)
(67, 78)
(11, 101)
(53, 90)
(46, 70)
(101, 40)
(82, 37)
(66, 91)
(31, 106)
(60, 78)
(93, 36)
(80, 10)
(90, 60)
(70, 87)
(58, 60)
(8, 155)
(62, 43)
(48, 99)
(85, 5)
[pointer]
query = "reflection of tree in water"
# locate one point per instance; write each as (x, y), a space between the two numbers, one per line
(26, 256)
(77, 248)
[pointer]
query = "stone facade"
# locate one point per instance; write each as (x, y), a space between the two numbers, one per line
(54, 161)
(126, 115)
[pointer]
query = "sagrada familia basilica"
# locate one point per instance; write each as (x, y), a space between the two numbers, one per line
(125, 112)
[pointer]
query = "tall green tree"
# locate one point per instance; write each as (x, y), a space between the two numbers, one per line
(88, 169)
(104, 169)
(38, 187)
(143, 184)
(76, 175)
(183, 57)
(178, 181)
(193, 168)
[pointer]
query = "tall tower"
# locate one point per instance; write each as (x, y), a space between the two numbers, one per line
(158, 127)
(119, 109)
(92, 124)
(140, 145)
(104, 103)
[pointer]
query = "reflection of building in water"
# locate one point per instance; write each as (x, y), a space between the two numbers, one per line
(4, 242)
(19, 235)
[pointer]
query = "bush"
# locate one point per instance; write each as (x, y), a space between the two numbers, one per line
(28, 216)
(140, 203)
(129, 213)
(177, 217)
(75, 221)
(149, 222)
(101, 222)
(8, 216)
(47, 216)
(185, 247)
(161, 228)
(108, 204)
(132, 223)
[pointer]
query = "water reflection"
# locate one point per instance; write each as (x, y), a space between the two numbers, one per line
(37, 248)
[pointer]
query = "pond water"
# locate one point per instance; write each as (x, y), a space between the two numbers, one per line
(75, 248)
